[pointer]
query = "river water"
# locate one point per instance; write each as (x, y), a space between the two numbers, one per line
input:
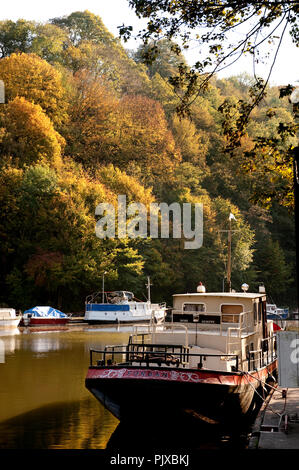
(43, 400)
(44, 403)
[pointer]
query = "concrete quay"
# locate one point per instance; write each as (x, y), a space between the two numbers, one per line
(277, 423)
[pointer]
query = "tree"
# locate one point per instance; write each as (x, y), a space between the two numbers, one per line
(49, 42)
(91, 128)
(28, 135)
(192, 144)
(273, 270)
(161, 58)
(143, 136)
(16, 37)
(216, 24)
(162, 92)
(31, 77)
(212, 22)
(45, 40)
(84, 26)
(48, 247)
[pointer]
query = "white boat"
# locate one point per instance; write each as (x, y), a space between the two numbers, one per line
(8, 318)
(122, 307)
(278, 315)
(209, 361)
(273, 312)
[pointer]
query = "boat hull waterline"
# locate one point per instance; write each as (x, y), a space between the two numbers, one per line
(48, 321)
(38, 321)
(213, 396)
(13, 323)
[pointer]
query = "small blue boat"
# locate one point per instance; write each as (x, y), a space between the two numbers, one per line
(44, 316)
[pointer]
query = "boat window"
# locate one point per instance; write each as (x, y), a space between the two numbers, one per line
(194, 308)
(260, 311)
(231, 313)
(255, 312)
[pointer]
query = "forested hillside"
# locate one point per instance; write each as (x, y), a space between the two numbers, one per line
(85, 121)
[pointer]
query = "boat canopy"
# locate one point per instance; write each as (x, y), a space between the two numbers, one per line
(45, 312)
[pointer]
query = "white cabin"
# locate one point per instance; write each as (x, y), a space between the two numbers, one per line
(228, 331)
(8, 318)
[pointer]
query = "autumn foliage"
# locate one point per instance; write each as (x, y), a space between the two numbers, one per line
(85, 121)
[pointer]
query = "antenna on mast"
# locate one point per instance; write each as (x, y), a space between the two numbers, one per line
(148, 285)
(229, 254)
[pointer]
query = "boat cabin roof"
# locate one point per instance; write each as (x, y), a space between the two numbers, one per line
(232, 295)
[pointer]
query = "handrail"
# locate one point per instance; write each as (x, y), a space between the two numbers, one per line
(217, 314)
(156, 356)
(178, 354)
(92, 297)
(263, 356)
(152, 328)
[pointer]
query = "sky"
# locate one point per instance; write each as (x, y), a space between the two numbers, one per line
(116, 12)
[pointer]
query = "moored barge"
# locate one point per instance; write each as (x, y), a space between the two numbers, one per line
(208, 361)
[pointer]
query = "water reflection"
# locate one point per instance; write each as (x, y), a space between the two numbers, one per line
(75, 425)
(44, 403)
(9, 331)
(43, 399)
(8, 339)
(173, 434)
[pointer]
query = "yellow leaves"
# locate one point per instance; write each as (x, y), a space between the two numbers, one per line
(121, 183)
(193, 148)
(29, 135)
(33, 78)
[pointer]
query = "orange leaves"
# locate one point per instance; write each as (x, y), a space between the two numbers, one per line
(145, 138)
(92, 120)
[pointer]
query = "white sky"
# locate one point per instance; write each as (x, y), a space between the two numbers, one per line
(116, 12)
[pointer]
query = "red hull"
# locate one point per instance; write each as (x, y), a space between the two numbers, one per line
(216, 396)
(46, 321)
(170, 375)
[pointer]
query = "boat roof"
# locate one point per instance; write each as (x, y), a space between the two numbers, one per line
(244, 295)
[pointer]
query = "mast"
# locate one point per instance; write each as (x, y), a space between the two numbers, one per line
(229, 251)
(229, 255)
(103, 287)
(148, 285)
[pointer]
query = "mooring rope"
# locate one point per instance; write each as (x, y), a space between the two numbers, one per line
(264, 399)
(260, 380)
(255, 391)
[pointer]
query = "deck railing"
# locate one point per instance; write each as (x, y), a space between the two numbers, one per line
(242, 325)
(152, 328)
(148, 354)
(174, 355)
(258, 358)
